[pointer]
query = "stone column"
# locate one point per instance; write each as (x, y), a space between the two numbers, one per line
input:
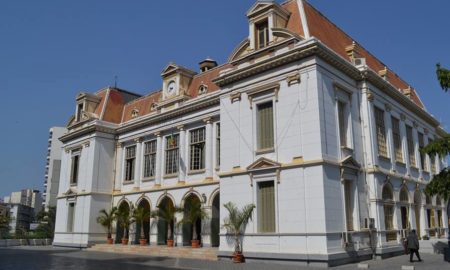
(159, 155)
(137, 164)
(132, 234)
(153, 230)
(206, 227)
(208, 150)
(445, 220)
(412, 216)
(119, 165)
(178, 231)
(122, 164)
(423, 221)
(182, 170)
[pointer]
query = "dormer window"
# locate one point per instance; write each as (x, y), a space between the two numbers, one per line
(80, 108)
(202, 89)
(134, 113)
(262, 34)
(154, 106)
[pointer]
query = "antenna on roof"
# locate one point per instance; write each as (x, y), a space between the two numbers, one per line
(115, 81)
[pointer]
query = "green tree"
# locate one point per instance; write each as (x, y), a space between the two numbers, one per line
(443, 75)
(236, 222)
(140, 214)
(124, 219)
(4, 226)
(194, 212)
(440, 184)
(168, 214)
(106, 219)
(46, 219)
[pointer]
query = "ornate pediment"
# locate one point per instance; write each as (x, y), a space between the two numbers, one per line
(70, 192)
(169, 69)
(350, 162)
(263, 164)
(263, 6)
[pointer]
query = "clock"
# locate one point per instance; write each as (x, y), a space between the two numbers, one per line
(171, 87)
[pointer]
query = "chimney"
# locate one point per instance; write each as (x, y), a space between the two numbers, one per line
(207, 64)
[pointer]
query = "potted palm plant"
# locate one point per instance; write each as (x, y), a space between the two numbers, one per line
(235, 225)
(191, 216)
(167, 214)
(106, 219)
(140, 215)
(124, 220)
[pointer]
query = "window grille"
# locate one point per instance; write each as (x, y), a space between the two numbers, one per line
(172, 154)
(149, 159)
(411, 149)
(266, 207)
(342, 123)
(397, 140)
(130, 157)
(381, 132)
(197, 146)
(423, 160)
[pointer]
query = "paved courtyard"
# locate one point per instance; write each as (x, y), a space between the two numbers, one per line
(49, 258)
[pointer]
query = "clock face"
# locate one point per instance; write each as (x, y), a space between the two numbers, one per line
(171, 87)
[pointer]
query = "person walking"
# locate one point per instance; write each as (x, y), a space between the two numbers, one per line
(413, 245)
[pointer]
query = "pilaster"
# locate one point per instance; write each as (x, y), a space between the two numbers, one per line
(183, 161)
(208, 150)
(159, 156)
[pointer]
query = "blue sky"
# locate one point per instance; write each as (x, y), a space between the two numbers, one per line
(51, 50)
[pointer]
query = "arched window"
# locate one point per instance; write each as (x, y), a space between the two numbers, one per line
(428, 200)
(134, 113)
(153, 106)
(388, 205)
(438, 201)
(202, 89)
(404, 197)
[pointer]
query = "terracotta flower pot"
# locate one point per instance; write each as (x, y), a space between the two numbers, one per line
(195, 243)
(143, 242)
(124, 241)
(110, 241)
(170, 243)
(238, 257)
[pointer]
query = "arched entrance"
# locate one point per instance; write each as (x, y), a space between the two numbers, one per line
(187, 228)
(404, 201)
(165, 206)
(417, 206)
(124, 206)
(215, 221)
(144, 204)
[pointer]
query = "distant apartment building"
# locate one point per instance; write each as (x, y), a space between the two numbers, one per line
(21, 217)
(53, 166)
(26, 197)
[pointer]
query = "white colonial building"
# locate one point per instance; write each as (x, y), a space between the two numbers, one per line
(301, 121)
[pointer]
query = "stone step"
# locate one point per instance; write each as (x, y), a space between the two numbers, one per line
(175, 252)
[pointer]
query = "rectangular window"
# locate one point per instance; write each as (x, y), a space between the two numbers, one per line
(381, 132)
(197, 146)
(79, 111)
(432, 160)
(423, 160)
(74, 170)
(262, 34)
(172, 154)
(397, 139)
(218, 144)
(149, 159)
(348, 193)
(389, 223)
(130, 158)
(266, 207)
(70, 217)
(265, 126)
(411, 149)
(343, 127)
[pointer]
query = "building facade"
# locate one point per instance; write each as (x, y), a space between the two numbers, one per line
(53, 166)
(21, 218)
(301, 121)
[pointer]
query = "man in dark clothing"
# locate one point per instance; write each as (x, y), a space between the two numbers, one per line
(413, 245)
